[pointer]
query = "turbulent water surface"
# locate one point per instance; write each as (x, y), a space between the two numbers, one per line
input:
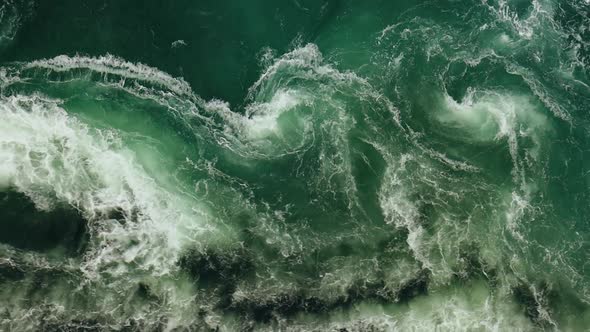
(294, 165)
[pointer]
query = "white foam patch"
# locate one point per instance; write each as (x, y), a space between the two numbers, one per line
(526, 27)
(54, 158)
(263, 118)
(504, 39)
(494, 116)
(471, 309)
(540, 91)
(308, 63)
(491, 116)
(401, 212)
(283, 118)
(260, 119)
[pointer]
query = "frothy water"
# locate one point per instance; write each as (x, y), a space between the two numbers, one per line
(386, 167)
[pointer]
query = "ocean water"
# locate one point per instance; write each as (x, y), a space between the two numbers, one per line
(295, 165)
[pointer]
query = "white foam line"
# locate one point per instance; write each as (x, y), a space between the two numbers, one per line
(110, 64)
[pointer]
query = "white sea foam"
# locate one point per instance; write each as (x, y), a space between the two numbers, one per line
(528, 26)
(54, 158)
(263, 118)
(474, 307)
(112, 65)
(540, 91)
(260, 119)
(269, 97)
(401, 211)
(307, 62)
(493, 116)
(178, 43)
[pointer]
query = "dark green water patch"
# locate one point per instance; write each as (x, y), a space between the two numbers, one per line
(24, 226)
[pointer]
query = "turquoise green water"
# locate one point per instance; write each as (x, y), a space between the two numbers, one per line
(294, 165)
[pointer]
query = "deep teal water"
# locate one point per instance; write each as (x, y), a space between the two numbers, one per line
(294, 165)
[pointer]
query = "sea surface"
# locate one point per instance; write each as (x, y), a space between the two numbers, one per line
(294, 165)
